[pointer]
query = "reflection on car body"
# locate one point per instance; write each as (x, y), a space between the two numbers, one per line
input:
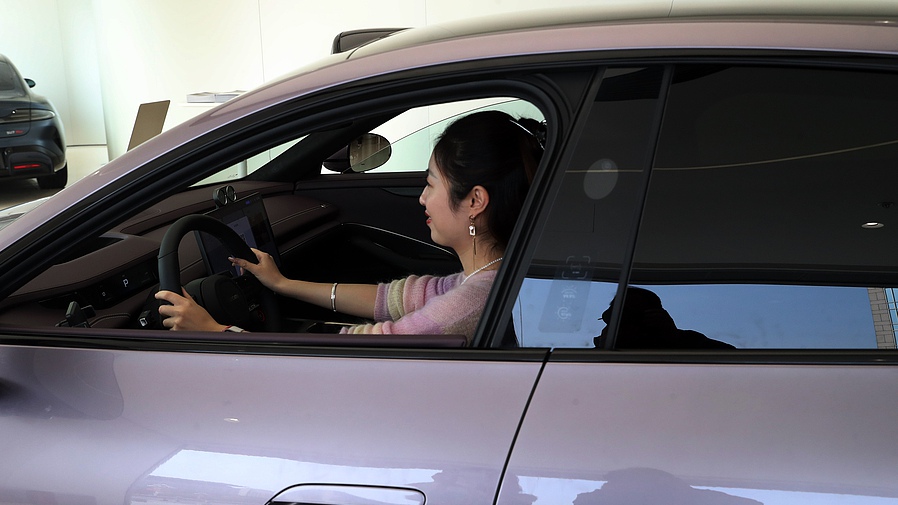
(731, 164)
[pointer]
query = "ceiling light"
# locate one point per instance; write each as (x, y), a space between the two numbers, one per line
(872, 225)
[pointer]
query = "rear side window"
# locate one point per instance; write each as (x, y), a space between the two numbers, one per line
(769, 218)
(9, 81)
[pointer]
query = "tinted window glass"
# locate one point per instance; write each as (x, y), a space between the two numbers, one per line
(577, 263)
(9, 81)
(750, 316)
(770, 219)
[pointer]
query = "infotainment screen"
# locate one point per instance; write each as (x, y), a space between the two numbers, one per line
(248, 218)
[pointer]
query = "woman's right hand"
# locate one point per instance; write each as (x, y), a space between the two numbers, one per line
(266, 270)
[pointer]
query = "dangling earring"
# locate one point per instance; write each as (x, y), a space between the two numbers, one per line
(472, 230)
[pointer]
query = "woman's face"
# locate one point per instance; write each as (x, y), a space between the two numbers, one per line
(448, 226)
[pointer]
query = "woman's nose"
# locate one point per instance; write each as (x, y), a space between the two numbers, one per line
(421, 198)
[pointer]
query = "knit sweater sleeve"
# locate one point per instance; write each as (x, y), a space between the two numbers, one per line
(429, 305)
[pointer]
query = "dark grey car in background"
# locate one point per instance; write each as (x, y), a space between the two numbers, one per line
(32, 141)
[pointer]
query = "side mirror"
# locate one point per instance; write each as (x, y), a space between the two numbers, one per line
(367, 152)
(30, 82)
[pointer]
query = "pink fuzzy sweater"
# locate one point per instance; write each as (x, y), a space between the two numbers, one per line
(421, 305)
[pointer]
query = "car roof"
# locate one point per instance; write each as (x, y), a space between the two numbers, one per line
(882, 11)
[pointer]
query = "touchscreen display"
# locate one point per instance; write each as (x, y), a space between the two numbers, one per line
(248, 218)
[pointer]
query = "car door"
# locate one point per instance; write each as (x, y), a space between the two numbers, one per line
(136, 425)
(100, 415)
(762, 370)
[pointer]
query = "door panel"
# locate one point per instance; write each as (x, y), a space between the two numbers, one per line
(722, 434)
(85, 426)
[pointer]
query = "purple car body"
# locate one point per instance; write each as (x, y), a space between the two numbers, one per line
(114, 414)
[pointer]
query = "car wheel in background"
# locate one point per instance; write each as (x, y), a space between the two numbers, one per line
(56, 181)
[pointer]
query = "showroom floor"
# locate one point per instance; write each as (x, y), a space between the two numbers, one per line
(82, 161)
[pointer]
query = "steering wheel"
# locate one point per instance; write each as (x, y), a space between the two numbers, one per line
(241, 301)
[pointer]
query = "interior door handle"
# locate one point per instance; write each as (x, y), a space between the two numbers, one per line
(337, 494)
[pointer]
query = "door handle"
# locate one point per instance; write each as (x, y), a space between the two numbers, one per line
(337, 494)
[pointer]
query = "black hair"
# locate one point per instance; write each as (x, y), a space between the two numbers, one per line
(496, 151)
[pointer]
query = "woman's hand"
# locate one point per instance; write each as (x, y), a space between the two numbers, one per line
(266, 270)
(352, 299)
(184, 314)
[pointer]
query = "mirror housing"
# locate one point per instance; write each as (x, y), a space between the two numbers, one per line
(344, 41)
(366, 152)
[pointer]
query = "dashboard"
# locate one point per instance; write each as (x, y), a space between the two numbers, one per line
(116, 272)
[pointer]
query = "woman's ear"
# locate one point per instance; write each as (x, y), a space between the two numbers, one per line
(478, 199)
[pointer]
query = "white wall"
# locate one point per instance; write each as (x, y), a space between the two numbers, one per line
(295, 33)
(98, 60)
(151, 50)
(30, 37)
(41, 38)
(83, 116)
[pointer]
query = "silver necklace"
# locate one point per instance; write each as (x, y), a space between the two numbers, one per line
(481, 269)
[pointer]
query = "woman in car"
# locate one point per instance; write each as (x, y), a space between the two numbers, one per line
(477, 179)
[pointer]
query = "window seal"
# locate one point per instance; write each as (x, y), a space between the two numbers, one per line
(871, 357)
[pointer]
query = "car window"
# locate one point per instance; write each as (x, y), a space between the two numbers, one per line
(411, 136)
(413, 133)
(769, 219)
(10, 85)
(249, 165)
(763, 316)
